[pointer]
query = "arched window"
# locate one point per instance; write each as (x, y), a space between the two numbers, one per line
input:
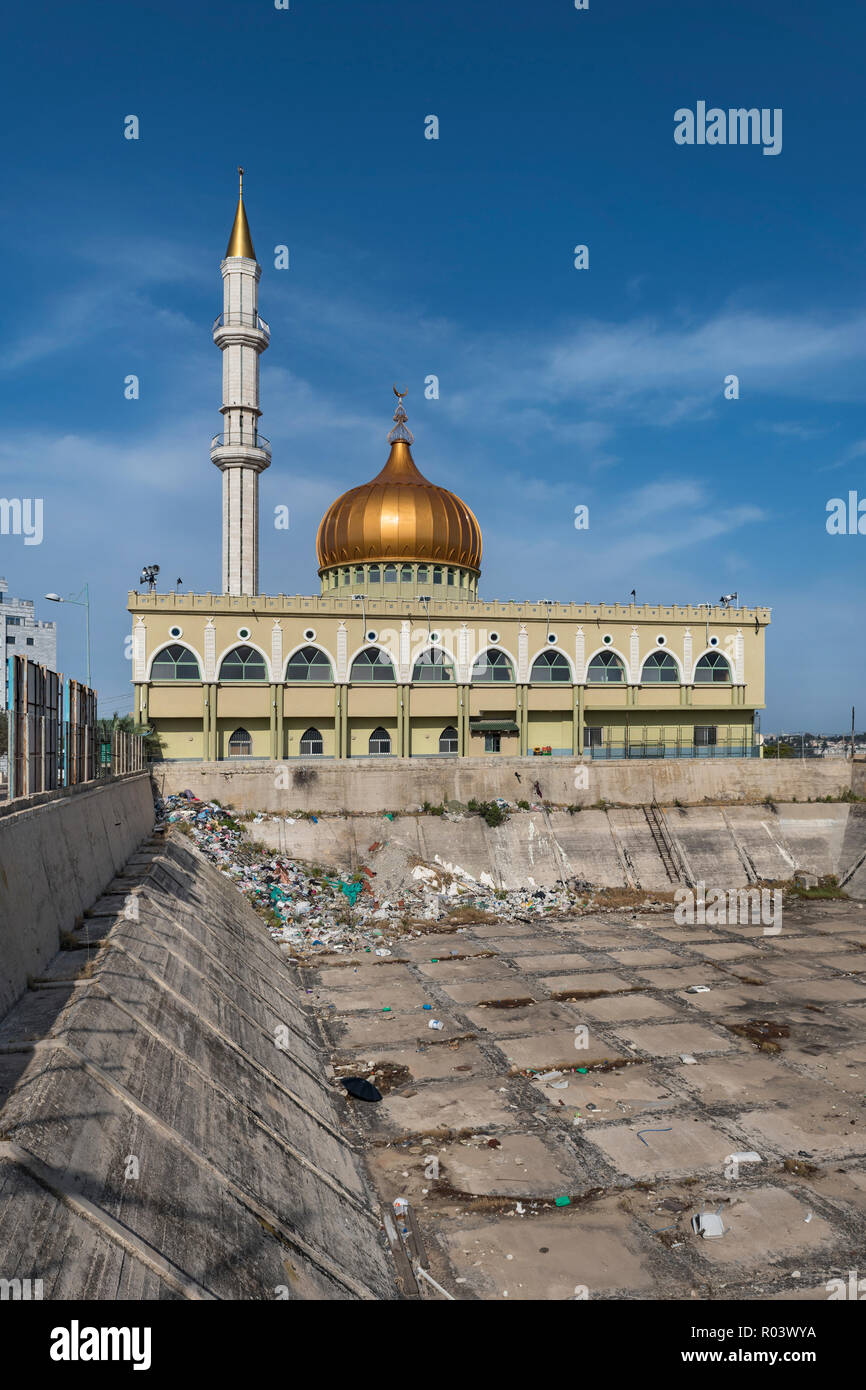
(450, 576)
(243, 664)
(550, 666)
(372, 664)
(660, 668)
(390, 574)
(309, 664)
(359, 574)
(175, 663)
(406, 574)
(433, 665)
(312, 744)
(374, 574)
(422, 574)
(605, 669)
(448, 740)
(712, 669)
(240, 744)
(437, 574)
(380, 741)
(492, 665)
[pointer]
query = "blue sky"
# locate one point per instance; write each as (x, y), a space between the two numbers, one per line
(455, 257)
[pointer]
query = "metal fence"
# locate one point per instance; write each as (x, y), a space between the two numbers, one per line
(53, 733)
(648, 748)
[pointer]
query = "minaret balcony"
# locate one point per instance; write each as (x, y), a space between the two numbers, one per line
(240, 447)
(242, 327)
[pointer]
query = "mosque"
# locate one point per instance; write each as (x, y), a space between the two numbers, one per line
(398, 655)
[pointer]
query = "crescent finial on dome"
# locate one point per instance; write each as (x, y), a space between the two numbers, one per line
(400, 417)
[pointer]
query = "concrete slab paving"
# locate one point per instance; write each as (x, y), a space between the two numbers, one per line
(572, 1253)
(541, 1052)
(534, 1018)
(475, 968)
(562, 961)
(444, 1106)
(616, 1008)
(676, 1147)
(520, 1165)
(838, 991)
(680, 978)
(673, 1039)
(764, 1226)
(456, 1060)
(500, 992)
(830, 1127)
(645, 955)
(584, 985)
(386, 1030)
(396, 994)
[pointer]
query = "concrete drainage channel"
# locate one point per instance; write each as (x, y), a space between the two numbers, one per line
(563, 1133)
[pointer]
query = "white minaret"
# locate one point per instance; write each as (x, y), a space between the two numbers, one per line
(240, 452)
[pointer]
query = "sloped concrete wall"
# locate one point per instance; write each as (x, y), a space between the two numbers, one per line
(398, 784)
(724, 847)
(185, 1047)
(58, 850)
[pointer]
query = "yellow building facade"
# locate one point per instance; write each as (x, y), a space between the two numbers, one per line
(399, 655)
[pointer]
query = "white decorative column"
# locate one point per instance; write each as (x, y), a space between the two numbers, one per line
(522, 655)
(240, 452)
(634, 656)
(579, 656)
(210, 650)
(139, 650)
(276, 651)
(463, 663)
(405, 651)
(342, 652)
(739, 659)
(687, 656)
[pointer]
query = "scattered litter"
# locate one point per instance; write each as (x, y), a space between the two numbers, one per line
(807, 1218)
(434, 1023)
(688, 1059)
(641, 1132)
(310, 909)
(359, 1088)
(709, 1225)
(698, 989)
(748, 1157)
(558, 1085)
(563, 1202)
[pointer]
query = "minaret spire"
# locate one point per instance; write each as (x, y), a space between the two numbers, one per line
(240, 452)
(240, 241)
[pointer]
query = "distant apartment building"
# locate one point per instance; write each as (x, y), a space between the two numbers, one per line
(23, 635)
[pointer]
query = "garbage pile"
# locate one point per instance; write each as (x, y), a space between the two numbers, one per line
(312, 909)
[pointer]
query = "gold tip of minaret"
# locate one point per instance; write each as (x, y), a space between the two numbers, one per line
(240, 241)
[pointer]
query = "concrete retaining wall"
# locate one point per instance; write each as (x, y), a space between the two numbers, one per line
(723, 847)
(186, 1046)
(398, 784)
(58, 850)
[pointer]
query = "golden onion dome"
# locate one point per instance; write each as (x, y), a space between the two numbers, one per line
(399, 516)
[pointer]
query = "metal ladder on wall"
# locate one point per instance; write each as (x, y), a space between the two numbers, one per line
(663, 843)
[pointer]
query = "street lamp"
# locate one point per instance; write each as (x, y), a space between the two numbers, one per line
(80, 603)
